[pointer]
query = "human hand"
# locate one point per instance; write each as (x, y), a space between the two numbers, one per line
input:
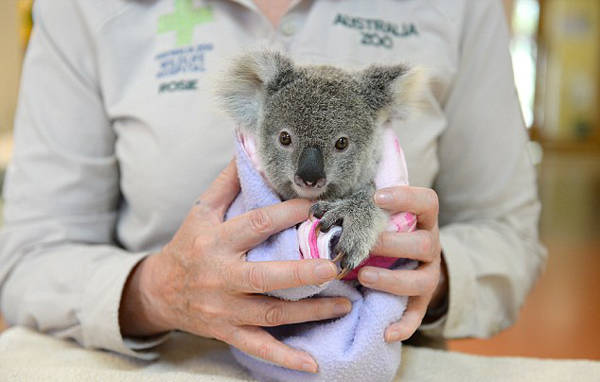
(201, 282)
(422, 284)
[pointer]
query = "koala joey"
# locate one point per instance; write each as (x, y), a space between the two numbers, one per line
(318, 136)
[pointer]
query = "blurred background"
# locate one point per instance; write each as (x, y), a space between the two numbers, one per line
(556, 57)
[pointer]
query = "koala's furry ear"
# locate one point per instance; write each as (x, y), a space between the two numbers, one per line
(249, 81)
(392, 89)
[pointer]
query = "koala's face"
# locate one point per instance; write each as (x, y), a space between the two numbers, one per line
(317, 135)
(316, 126)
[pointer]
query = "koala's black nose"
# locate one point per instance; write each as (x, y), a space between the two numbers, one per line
(311, 172)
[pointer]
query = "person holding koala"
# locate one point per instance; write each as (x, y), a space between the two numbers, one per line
(116, 137)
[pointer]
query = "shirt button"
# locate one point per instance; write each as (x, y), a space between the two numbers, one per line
(288, 28)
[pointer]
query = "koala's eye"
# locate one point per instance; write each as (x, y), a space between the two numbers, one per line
(341, 143)
(284, 138)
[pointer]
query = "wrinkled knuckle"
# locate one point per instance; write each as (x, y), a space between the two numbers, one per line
(202, 243)
(237, 320)
(264, 351)
(198, 244)
(384, 241)
(318, 311)
(274, 315)
(397, 278)
(297, 274)
(256, 279)
(211, 313)
(260, 221)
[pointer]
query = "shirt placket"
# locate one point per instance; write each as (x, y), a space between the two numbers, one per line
(280, 37)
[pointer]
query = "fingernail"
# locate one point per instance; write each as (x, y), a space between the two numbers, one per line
(392, 335)
(342, 308)
(325, 271)
(369, 276)
(309, 365)
(383, 197)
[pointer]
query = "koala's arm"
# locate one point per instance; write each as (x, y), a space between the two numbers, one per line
(362, 222)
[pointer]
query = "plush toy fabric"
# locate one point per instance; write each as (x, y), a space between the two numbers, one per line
(351, 348)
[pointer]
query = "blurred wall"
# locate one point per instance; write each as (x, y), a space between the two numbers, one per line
(10, 61)
(569, 71)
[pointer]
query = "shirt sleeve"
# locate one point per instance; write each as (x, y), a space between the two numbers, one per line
(61, 271)
(489, 207)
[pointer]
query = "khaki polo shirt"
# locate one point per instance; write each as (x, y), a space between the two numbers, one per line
(117, 134)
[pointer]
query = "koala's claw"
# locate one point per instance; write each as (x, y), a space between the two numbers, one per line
(343, 273)
(339, 257)
(318, 229)
(345, 269)
(356, 239)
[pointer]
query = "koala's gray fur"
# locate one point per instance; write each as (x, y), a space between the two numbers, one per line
(317, 105)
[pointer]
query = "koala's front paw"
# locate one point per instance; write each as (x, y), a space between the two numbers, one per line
(329, 213)
(352, 249)
(360, 229)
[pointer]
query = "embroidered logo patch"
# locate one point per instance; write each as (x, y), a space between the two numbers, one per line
(376, 32)
(181, 61)
(184, 20)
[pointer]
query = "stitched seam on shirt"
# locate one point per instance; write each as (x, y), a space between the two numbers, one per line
(117, 13)
(50, 40)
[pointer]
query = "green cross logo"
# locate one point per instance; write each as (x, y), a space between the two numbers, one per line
(184, 20)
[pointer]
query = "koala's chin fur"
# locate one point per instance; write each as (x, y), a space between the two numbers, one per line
(318, 133)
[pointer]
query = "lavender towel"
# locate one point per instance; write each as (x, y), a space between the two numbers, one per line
(351, 348)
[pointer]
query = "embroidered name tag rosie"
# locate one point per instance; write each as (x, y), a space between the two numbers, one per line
(376, 32)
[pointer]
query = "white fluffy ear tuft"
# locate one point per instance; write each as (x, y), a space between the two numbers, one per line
(408, 91)
(393, 90)
(249, 80)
